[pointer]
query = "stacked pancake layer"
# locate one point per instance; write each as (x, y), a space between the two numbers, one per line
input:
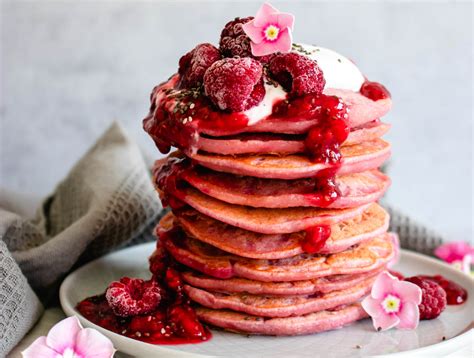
(243, 205)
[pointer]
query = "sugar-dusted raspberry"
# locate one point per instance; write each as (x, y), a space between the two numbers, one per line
(298, 74)
(234, 41)
(133, 296)
(234, 84)
(194, 64)
(433, 300)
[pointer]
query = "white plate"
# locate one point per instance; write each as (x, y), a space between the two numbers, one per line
(455, 324)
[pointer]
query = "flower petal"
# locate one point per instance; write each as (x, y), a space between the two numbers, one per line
(284, 42)
(254, 33)
(91, 343)
(409, 316)
(385, 321)
(372, 306)
(454, 251)
(285, 20)
(39, 349)
(408, 292)
(63, 334)
(383, 285)
(264, 14)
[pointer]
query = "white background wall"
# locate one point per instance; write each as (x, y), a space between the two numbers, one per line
(69, 68)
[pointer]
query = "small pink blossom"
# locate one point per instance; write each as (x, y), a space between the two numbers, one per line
(68, 339)
(393, 303)
(269, 31)
(459, 254)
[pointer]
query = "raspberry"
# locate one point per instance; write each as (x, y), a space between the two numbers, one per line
(194, 64)
(298, 74)
(133, 296)
(433, 300)
(234, 84)
(234, 41)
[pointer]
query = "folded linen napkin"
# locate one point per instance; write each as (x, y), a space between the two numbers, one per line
(107, 201)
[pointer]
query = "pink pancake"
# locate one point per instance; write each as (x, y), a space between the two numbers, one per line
(308, 287)
(361, 110)
(288, 326)
(371, 223)
(266, 143)
(264, 220)
(268, 306)
(355, 189)
(209, 260)
(357, 158)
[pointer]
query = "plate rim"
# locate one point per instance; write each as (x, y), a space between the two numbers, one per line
(461, 340)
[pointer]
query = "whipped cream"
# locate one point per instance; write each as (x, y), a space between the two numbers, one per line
(264, 108)
(339, 72)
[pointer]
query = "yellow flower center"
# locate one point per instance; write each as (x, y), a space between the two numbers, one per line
(391, 304)
(271, 32)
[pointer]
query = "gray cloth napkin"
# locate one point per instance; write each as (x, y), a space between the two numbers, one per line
(107, 201)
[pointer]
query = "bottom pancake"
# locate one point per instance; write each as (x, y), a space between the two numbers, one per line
(288, 326)
(283, 306)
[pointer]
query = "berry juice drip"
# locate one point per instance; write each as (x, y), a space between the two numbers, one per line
(172, 322)
(168, 180)
(315, 238)
(455, 294)
(177, 116)
(374, 91)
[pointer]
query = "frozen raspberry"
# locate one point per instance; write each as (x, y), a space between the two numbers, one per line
(133, 296)
(433, 300)
(298, 74)
(194, 64)
(234, 84)
(234, 41)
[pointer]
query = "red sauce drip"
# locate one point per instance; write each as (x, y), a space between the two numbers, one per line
(176, 116)
(455, 294)
(326, 190)
(315, 238)
(168, 180)
(374, 91)
(174, 322)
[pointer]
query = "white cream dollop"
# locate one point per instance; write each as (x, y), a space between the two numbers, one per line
(339, 72)
(264, 108)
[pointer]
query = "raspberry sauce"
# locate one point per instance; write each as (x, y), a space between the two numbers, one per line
(176, 116)
(455, 294)
(374, 91)
(173, 322)
(168, 179)
(315, 238)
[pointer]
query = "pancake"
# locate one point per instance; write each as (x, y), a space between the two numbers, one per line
(362, 110)
(371, 223)
(355, 189)
(268, 306)
(214, 262)
(307, 287)
(356, 158)
(263, 220)
(266, 143)
(288, 326)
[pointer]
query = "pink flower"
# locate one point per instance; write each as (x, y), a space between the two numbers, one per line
(393, 303)
(68, 339)
(269, 31)
(459, 254)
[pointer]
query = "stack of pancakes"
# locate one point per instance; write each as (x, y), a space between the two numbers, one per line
(243, 204)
